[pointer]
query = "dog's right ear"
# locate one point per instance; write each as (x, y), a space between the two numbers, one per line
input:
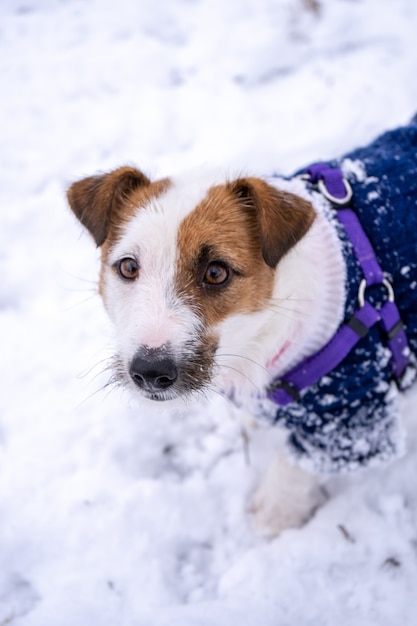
(283, 218)
(97, 201)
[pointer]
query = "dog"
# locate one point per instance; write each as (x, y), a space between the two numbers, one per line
(241, 284)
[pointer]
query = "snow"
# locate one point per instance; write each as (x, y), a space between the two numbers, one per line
(112, 513)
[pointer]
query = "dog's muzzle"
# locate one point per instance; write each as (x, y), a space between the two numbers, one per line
(164, 373)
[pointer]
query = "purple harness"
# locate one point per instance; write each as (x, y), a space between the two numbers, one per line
(331, 183)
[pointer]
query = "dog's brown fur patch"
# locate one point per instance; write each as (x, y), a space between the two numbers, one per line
(250, 226)
(99, 201)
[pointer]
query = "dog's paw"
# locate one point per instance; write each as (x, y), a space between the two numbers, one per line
(286, 498)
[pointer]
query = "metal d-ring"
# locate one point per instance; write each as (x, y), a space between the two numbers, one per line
(321, 186)
(362, 288)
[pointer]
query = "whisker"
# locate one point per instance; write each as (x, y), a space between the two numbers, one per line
(234, 369)
(280, 310)
(279, 305)
(82, 302)
(88, 371)
(110, 385)
(246, 358)
(80, 279)
(290, 299)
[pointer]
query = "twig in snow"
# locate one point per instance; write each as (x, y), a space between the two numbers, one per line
(346, 534)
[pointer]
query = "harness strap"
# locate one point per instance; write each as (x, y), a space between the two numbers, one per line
(396, 338)
(331, 183)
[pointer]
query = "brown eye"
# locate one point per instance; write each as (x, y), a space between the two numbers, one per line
(128, 268)
(216, 274)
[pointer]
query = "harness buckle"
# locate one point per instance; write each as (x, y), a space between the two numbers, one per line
(339, 202)
(362, 288)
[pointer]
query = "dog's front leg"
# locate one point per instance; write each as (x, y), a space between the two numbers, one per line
(286, 498)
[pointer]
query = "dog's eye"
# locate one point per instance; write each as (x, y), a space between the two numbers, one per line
(128, 268)
(217, 274)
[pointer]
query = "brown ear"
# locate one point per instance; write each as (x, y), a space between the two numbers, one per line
(98, 200)
(283, 218)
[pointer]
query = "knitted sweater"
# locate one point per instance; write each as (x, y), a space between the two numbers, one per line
(349, 418)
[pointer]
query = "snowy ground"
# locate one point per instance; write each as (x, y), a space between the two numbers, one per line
(109, 515)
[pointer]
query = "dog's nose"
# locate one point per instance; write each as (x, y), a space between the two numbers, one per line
(153, 373)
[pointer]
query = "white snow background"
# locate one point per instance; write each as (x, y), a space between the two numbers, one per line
(110, 515)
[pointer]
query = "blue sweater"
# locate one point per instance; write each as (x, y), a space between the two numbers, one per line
(349, 418)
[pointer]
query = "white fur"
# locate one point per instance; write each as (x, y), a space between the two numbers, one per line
(286, 498)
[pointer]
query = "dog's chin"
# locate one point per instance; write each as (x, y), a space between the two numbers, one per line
(162, 396)
(170, 400)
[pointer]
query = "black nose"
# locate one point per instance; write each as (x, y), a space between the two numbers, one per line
(153, 372)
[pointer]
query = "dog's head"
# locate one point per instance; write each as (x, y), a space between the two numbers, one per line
(184, 263)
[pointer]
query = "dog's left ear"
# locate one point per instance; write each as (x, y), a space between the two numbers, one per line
(98, 201)
(283, 218)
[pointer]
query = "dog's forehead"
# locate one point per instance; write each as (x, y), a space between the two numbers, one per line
(154, 224)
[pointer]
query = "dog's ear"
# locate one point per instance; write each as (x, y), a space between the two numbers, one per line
(283, 218)
(98, 200)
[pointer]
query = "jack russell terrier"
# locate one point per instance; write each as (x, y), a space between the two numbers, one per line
(297, 298)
